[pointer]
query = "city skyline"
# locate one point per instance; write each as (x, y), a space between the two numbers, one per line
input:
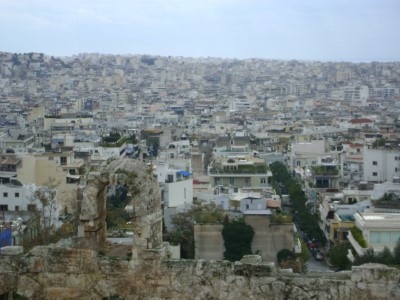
(356, 31)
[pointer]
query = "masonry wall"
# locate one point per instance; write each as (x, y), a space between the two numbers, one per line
(67, 273)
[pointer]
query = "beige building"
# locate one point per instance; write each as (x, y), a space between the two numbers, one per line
(239, 171)
(60, 164)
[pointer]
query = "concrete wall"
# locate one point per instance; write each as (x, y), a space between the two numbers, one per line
(209, 243)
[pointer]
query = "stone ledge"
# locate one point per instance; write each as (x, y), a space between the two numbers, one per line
(11, 250)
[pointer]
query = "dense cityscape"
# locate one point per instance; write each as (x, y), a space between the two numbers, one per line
(300, 160)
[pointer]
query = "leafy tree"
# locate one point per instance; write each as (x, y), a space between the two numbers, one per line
(284, 254)
(132, 139)
(396, 253)
(338, 256)
(358, 236)
(385, 257)
(116, 214)
(183, 231)
(379, 142)
(305, 253)
(296, 264)
(296, 261)
(367, 257)
(46, 196)
(40, 229)
(307, 221)
(237, 239)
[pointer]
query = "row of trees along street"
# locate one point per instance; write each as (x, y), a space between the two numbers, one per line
(308, 222)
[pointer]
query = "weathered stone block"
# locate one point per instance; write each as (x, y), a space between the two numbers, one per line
(12, 250)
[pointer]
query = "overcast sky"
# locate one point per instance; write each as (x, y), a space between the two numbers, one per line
(327, 30)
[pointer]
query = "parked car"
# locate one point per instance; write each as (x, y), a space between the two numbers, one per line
(318, 256)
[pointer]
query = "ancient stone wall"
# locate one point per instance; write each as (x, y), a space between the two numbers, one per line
(147, 216)
(68, 273)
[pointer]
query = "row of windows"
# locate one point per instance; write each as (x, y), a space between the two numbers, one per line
(30, 207)
(376, 173)
(5, 195)
(384, 237)
(246, 180)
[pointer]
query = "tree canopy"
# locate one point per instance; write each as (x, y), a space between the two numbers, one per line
(183, 222)
(237, 239)
(307, 221)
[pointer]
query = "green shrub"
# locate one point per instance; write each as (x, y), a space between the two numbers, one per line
(284, 254)
(357, 235)
(237, 240)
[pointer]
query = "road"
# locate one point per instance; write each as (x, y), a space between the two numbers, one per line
(315, 265)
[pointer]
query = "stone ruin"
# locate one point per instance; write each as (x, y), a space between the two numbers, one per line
(147, 215)
(81, 272)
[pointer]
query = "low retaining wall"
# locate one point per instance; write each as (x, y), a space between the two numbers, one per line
(67, 273)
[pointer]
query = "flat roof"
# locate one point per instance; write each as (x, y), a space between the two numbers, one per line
(258, 212)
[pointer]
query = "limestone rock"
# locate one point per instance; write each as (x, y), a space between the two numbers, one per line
(12, 250)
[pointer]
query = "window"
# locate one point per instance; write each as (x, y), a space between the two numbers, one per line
(5, 194)
(16, 195)
(16, 208)
(217, 180)
(298, 163)
(247, 180)
(63, 160)
(170, 178)
(262, 180)
(3, 207)
(374, 173)
(395, 158)
(374, 163)
(231, 180)
(384, 237)
(31, 207)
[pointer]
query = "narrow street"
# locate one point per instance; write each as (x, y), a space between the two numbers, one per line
(319, 266)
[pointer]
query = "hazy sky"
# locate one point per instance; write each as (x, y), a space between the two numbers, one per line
(335, 30)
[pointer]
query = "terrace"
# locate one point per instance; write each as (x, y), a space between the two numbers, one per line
(240, 169)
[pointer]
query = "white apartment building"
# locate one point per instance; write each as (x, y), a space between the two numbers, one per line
(379, 230)
(17, 201)
(306, 154)
(14, 197)
(381, 164)
(176, 187)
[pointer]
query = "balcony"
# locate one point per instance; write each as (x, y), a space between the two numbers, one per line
(240, 170)
(357, 247)
(325, 171)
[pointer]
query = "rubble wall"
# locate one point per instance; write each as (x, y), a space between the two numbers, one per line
(69, 273)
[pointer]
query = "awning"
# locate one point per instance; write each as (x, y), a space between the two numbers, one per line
(184, 173)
